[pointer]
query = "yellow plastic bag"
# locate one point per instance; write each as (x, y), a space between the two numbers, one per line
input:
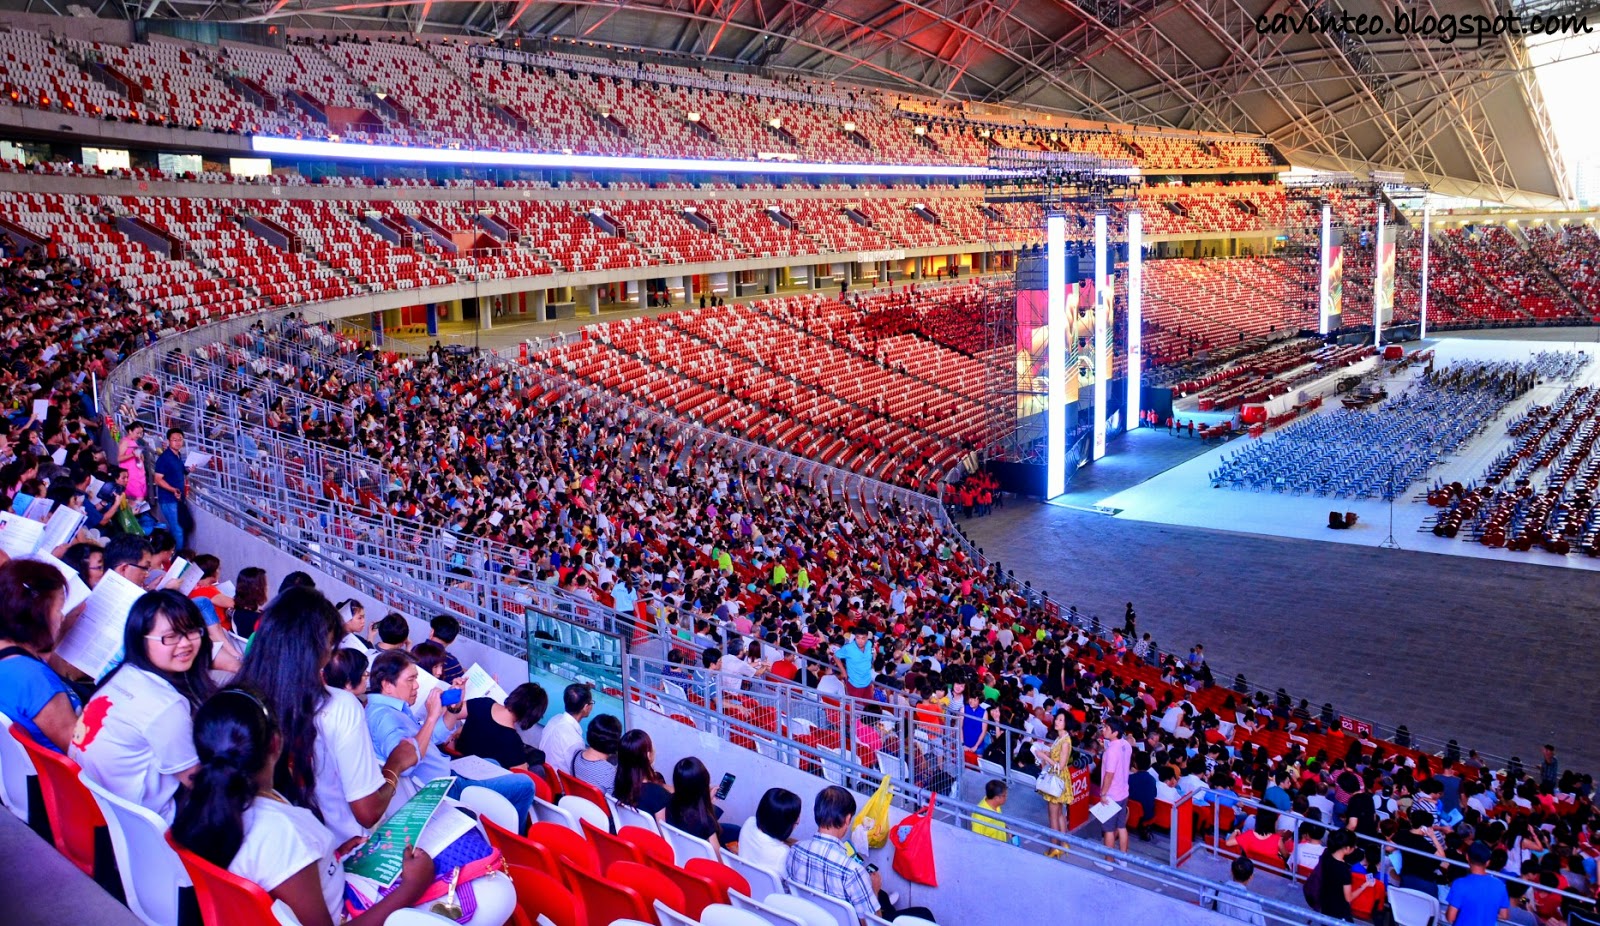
(877, 808)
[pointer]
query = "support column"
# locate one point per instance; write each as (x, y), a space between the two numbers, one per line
(541, 305)
(433, 319)
(1427, 232)
(849, 274)
(590, 296)
(770, 284)
(486, 312)
(377, 329)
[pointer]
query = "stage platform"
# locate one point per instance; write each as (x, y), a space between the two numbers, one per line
(1182, 494)
(1425, 635)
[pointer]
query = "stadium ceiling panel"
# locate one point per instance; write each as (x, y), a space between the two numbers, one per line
(1466, 116)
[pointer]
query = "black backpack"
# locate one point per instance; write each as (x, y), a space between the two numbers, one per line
(1313, 887)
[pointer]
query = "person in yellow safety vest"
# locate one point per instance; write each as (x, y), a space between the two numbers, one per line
(986, 819)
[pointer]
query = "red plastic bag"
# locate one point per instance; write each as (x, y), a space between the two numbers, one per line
(913, 847)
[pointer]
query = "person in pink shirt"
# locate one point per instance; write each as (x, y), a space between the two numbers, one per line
(1116, 760)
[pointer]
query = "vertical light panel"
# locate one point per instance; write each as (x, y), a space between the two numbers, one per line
(1427, 232)
(1055, 265)
(1135, 318)
(1102, 346)
(1323, 297)
(1377, 280)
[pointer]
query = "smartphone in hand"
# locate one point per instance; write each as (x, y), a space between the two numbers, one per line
(726, 786)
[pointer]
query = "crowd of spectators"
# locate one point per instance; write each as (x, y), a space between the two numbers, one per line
(733, 556)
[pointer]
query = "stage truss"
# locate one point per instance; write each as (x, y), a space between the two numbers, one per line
(1022, 189)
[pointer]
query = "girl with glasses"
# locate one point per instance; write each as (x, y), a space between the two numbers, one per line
(136, 735)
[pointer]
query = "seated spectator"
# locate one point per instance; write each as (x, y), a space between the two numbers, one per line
(347, 670)
(691, 809)
(563, 736)
(1308, 851)
(445, 628)
(1264, 840)
(394, 632)
(1235, 901)
(392, 689)
(328, 762)
(31, 693)
(638, 784)
(87, 560)
(136, 734)
(353, 619)
(596, 763)
(765, 838)
(828, 865)
(210, 574)
(235, 819)
(249, 597)
(494, 731)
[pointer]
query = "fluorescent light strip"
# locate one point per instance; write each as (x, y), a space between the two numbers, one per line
(1102, 337)
(1135, 319)
(1377, 281)
(310, 148)
(1427, 232)
(1055, 237)
(1324, 276)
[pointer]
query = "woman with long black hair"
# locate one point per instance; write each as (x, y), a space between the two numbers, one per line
(638, 784)
(136, 734)
(235, 819)
(327, 764)
(690, 808)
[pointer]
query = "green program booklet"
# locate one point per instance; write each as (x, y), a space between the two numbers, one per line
(383, 855)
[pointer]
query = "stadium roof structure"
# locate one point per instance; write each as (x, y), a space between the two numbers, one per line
(1465, 117)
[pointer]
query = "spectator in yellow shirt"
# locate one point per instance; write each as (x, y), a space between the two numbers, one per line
(986, 819)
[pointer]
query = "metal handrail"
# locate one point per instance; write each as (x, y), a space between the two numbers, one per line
(843, 769)
(1185, 803)
(847, 485)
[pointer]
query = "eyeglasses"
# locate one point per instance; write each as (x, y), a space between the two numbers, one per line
(174, 637)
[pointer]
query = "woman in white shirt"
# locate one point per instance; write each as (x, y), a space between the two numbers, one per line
(327, 764)
(765, 838)
(234, 819)
(135, 736)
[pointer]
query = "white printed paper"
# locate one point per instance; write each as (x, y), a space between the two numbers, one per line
(196, 460)
(477, 768)
(77, 591)
(1103, 811)
(39, 509)
(18, 535)
(227, 589)
(426, 683)
(41, 409)
(61, 528)
(480, 684)
(59, 458)
(94, 644)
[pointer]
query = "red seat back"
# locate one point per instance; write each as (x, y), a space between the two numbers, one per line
(699, 891)
(541, 787)
(225, 899)
(577, 787)
(609, 848)
(540, 893)
(519, 851)
(70, 807)
(605, 901)
(650, 845)
(722, 875)
(564, 843)
(651, 884)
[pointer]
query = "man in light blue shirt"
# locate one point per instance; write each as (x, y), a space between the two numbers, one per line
(394, 685)
(854, 661)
